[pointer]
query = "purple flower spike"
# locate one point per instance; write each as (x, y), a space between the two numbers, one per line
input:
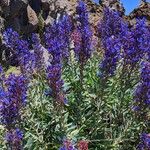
(57, 43)
(142, 93)
(11, 38)
(111, 25)
(136, 44)
(111, 57)
(56, 83)
(57, 39)
(20, 50)
(12, 99)
(111, 31)
(83, 45)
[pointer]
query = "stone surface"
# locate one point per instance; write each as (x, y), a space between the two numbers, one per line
(32, 17)
(17, 6)
(4, 2)
(32, 20)
(1, 29)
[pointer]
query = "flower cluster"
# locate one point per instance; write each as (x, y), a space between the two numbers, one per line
(111, 31)
(38, 53)
(66, 28)
(145, 142)
(83, 47)
(111, 25)
(135, 43)
(12, 99)
(141, 36)
(148, 52)
(108, 65)
(56, 83)
(83, 145)
(57, 38)
(142, 93)
(14, 137)
(129, 53)
(25, 57)
(19, 49)
(67, 145)
(11, 38)
(57, 44)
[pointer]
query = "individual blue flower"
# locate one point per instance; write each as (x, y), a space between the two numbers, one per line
(38, 52)
(10, 38)
(144, 142)
(14, 137)
(142, 92)
(67, 145)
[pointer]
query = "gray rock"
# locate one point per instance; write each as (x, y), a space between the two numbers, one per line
(49, 20)
(17, 6)
(32, 19)
(45, 4)
(36, 5)
(1, 24)
(4, 3)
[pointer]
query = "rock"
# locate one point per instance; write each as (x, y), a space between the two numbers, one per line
(32, 19)
(15, 24)
(4, 8)
(4, 3)
(49, 20)
(46, 8)
(1, 11)
(1, 28)
(45, 4)
(17, 6)
(36, 5)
